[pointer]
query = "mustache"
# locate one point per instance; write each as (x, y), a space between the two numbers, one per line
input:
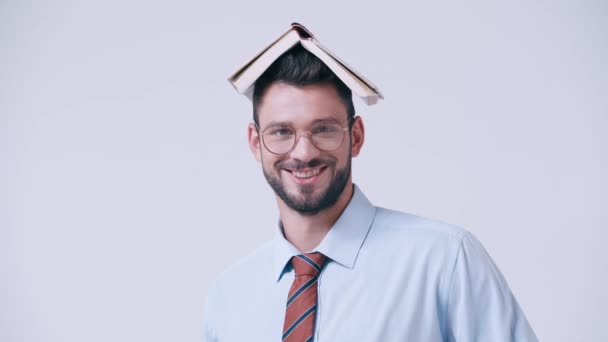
(297, 165)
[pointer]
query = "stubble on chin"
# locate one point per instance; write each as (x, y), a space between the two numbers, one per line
(306, 189)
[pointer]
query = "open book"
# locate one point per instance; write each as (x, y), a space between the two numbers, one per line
(244, 78)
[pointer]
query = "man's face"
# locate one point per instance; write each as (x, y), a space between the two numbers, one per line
(306, 179)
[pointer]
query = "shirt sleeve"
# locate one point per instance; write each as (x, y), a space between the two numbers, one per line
(481, 306)
(210, 315)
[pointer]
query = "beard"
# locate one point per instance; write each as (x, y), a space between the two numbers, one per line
(305, 203)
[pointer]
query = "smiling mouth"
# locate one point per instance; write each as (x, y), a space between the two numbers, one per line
(309, 174)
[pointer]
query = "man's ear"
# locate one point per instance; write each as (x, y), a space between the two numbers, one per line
(254, 142)
(357, 136)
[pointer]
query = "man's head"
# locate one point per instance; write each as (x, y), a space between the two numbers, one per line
(300, 103)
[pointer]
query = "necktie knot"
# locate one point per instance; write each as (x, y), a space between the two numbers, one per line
(308, 264)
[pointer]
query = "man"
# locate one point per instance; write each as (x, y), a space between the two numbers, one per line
(339, 268)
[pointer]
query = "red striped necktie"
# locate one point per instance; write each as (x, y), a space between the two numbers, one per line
(302, 299)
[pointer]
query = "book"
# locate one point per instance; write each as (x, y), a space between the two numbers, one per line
(243, 79)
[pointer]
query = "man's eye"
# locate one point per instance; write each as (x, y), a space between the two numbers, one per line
(281, 132)
(324, 129)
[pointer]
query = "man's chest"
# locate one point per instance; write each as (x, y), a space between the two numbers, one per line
(376, 306)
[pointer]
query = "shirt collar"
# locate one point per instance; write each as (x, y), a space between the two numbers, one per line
(342, 242)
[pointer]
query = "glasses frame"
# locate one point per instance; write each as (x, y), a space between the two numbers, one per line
(306, 132)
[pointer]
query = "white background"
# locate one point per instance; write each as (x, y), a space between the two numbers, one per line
(126, 184)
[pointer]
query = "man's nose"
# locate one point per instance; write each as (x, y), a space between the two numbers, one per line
(304, 150)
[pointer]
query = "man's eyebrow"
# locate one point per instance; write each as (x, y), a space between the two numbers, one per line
(329, 118)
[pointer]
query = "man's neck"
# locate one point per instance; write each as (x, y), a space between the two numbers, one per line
(306, 232)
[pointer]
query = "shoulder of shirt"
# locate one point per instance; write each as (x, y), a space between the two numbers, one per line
(255, 260)
(402, 222)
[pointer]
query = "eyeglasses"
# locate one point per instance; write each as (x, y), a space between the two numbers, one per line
(325, 135)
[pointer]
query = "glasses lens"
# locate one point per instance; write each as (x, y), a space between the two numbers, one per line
(279, 139)
(327, 136)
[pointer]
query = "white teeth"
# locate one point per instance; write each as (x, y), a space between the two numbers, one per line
(306, 174)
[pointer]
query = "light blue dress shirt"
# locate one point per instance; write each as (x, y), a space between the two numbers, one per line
(390, 276)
